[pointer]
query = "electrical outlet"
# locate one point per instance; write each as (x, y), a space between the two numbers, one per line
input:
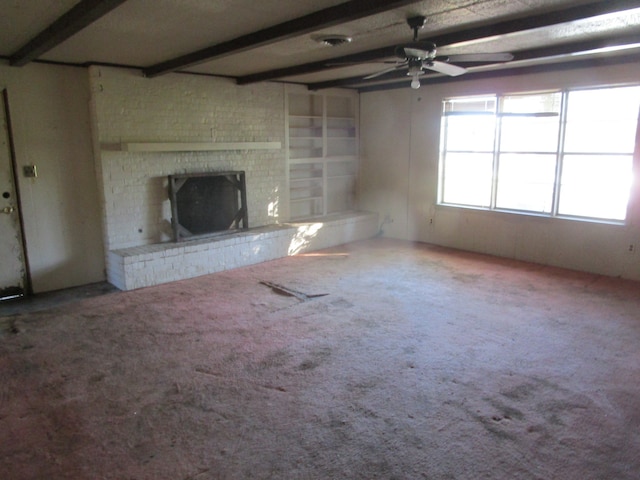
(632, 248)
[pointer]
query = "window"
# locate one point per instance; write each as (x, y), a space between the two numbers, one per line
(561, 153)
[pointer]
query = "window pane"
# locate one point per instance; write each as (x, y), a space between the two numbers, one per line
(470, 104)
(596, 186)
(470, 133)
(530, 123)
(467, 179)
(532, 103)
(529, 134)
(602, 121)
(525, 182)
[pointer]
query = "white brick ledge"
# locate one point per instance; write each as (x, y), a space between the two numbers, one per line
(147, 265)
(196, 146)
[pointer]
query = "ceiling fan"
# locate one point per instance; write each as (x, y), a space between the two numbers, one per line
(419, 56)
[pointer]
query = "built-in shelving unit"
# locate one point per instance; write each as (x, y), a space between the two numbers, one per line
(322, 140)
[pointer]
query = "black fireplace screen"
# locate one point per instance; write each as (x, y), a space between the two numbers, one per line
(205, 204)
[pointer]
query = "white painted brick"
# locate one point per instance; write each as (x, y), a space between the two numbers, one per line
(131, 108)
(148, 265)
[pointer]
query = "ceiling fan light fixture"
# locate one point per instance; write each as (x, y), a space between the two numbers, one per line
(415, 72)
(333, 40)
(415, 68)
(420, 55)
(415, 78)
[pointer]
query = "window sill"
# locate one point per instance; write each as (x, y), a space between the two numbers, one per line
(523, 214)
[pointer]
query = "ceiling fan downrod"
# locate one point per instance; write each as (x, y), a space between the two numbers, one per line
(416, 23)
(415, 69)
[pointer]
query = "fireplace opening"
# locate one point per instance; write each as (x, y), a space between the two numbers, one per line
(207, 204)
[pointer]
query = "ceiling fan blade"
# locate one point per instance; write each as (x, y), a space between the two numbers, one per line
(386, 70)
(480, 57)
(446, 68)
(350, 64)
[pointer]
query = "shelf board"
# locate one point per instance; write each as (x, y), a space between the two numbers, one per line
(305, 153)
(320, 160)
(294, 162)
(310, 185)
(306, 179)
(346, 175)
(292, 192)
(305, 199)
(196, 146)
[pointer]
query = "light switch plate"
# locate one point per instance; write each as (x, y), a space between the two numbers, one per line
(30, 171)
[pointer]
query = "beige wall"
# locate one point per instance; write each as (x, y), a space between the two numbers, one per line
(399, 150)
(399, 176)
(50, 115)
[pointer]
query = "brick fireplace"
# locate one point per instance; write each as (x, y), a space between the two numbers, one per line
(145, 131)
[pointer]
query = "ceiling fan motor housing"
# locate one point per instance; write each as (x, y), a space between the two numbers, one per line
(420, 50)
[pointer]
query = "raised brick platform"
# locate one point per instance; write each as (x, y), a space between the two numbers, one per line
(143, 266)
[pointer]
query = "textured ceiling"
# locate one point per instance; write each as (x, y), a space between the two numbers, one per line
(144, 33)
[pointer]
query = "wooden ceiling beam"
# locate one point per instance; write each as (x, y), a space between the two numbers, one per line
(80, 16)
(501, 28)
(336, 15)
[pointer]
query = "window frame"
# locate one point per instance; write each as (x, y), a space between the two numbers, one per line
(559, 154)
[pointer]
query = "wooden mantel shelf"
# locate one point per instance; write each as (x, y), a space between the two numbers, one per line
(196, 146)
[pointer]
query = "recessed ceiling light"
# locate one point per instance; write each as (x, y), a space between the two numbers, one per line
(333, 40)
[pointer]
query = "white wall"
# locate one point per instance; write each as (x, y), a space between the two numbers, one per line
(180, 108)
(400, 131)
(51, 126)
(387, 151)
